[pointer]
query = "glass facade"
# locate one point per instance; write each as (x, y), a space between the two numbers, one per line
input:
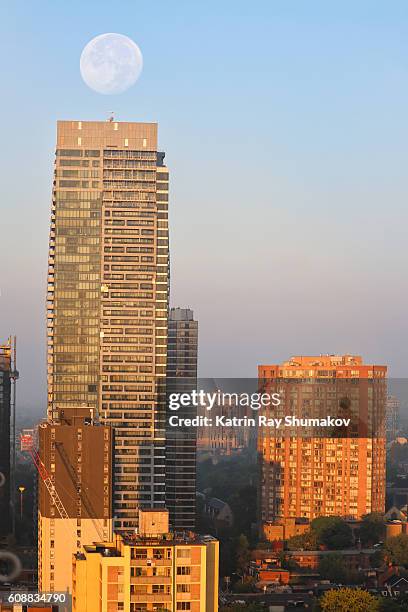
(181, 442)
(108, 296)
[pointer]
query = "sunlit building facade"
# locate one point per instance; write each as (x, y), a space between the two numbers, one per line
(108, 296)
(309, 473)
(76, 453)
(154, 570)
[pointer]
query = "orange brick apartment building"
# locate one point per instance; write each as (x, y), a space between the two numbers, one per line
(305, 474)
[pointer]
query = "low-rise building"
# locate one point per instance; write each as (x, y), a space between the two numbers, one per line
(268, 572)
(219, 512)
(285, 528)
(152, 570)
(356, 559)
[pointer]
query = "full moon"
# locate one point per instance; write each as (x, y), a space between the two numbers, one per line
(111, 63)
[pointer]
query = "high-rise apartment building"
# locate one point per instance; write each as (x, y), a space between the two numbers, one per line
(181, 442)
(76, 453)
(392, 417)
(5, 414)
(305, 474)
(153, 570)
(108, 296)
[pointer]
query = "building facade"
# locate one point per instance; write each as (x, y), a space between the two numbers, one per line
(77, 456)
(305, 475)
(225, 440)
(181, 442)
(5, 432)
(154, 570)
(108, 297)
(392, 417)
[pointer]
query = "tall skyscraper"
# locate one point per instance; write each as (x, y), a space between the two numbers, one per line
(76, 454)
(181, 442)
(108, 296)
(305, 475)
(392, 417)
(5, 422)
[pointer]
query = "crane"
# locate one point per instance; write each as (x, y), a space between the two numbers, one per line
(47, 480)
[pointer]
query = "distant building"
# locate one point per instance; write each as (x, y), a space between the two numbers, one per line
(225, 440)
(392, 422)
(77, 455)
(355, 559)
(341, 474)
(268, 573)
(397, 514)
(397, 491)
(285, 528)
(5, 421)
(395, 586)
(398, 455)
(395, 526)
(219, 512)
(153, 570)
(181, 442)
(26, 439)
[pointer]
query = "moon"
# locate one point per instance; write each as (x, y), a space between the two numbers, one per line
(111, 63)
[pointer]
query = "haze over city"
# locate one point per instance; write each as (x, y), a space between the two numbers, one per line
(286, 149)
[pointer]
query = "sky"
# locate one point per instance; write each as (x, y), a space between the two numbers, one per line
(285, 131)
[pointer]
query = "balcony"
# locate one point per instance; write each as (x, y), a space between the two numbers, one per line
(151, 562)
(150, 598)
(150, 580)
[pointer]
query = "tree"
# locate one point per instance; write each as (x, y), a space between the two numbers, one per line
(372, 528)
(332, 532)
(333, 568)
(394, 605)
(348, 600)
(242, 553)
(377, 559)
(243, 505)
(396, 550)
(304, 541)
(286, 562)
(247, 586)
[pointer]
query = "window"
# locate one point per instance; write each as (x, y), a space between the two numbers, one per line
(184, 553)
(138, 589)
(183, 605)
(158, 553)
(92, 153)
(69, 153)
(139, 553)
(183, 570)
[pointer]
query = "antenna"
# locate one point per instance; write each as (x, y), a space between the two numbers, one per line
(111, 117)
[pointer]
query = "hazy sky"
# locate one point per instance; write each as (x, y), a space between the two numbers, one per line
(285, 131)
